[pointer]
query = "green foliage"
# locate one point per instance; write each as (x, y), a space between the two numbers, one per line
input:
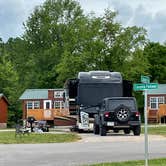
(60, 40)
(9, 84)
(152, 162)
(19, 57)
(105, 45)
(33, 138)
(156, 130)
(48, 33)
(156, 55)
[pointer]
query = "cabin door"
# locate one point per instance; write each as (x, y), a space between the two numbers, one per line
(47, 104)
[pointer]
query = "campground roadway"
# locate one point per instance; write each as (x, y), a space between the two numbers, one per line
(91, 149)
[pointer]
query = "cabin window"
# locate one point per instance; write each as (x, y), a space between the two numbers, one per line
(29, 105)
(156, 101)
(62, 104)
(58, 104)
(33, 104)
(36, 104)
(58, 94)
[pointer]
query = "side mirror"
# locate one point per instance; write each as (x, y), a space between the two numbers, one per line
(97, 108)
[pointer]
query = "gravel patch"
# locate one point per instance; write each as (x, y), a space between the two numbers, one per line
(112, 137)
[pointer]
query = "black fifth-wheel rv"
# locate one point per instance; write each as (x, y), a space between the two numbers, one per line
(84, 94)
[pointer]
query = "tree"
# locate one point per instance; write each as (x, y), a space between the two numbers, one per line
(18, 55)
(9, 85)
(156, 54)
(63, 41)
(46, 32)
(106, 46)
(83, 49)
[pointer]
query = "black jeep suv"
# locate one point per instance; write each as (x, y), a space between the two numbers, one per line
(117, 113)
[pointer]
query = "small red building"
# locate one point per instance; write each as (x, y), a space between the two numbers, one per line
(156, 99)
(3, 111)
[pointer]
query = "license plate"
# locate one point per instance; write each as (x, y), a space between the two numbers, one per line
(110, 123)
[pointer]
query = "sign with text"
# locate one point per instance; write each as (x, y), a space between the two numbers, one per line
(144, 87)
(145, 79)
(140, 87)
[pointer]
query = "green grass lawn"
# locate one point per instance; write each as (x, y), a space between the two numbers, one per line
(8, 137)
(156, 130)
(154, 162)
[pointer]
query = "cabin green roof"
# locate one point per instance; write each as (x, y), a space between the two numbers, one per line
(35, 94)
(161, 90)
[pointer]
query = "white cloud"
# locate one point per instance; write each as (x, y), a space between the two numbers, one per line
(149, 14)
(143, 16)
(12, 15)
(125, 12)
(97, 6)
(158, 27)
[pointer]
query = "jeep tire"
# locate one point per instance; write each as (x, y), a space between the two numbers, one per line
(116, 131)
(103, 131)
(95, 128)
(126, 131)
(137, 130)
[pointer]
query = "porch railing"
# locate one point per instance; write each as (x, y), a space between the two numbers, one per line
(47, 114)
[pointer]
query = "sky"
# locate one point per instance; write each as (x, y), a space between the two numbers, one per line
(150, 14)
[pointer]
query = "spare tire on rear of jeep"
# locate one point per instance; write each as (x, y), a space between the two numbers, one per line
(122, 113)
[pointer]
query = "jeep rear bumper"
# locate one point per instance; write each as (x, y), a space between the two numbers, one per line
(129, 124)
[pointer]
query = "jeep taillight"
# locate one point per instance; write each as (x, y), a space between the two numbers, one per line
(137, 114)
(106, 114)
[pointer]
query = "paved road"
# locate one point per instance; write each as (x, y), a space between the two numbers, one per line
(91, 149)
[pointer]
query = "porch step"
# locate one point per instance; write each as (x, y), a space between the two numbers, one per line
(152, 120)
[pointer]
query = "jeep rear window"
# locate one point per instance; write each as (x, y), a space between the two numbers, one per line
(113, 104)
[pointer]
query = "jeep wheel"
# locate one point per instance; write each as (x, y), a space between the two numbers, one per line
(103, 131)
(116, 131)
(122, 113)
(80, 130)
(126, 131)
(95, 128)
(137, 130)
